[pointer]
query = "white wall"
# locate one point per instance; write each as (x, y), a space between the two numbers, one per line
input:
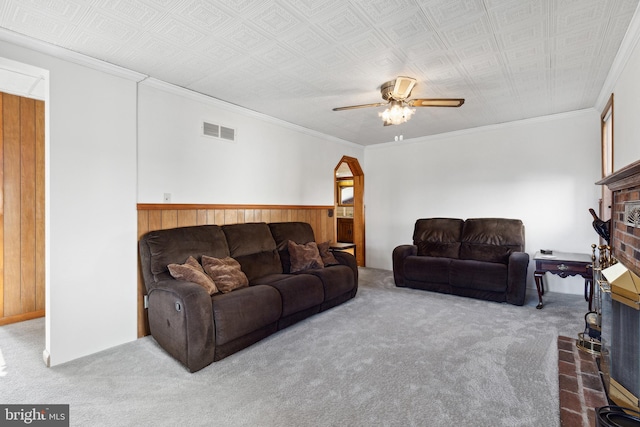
(271, 162)
(541, 171)
(91, 217)
(626, 105)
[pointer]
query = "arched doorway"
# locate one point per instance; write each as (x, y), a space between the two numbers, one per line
(357, 210)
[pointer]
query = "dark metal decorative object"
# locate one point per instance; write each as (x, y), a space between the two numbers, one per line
(601, 227)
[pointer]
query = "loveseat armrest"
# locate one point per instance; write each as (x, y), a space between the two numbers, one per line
(517, 277)
(181, 321)
(400, 253)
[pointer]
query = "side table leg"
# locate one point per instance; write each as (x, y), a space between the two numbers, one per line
(537, 276)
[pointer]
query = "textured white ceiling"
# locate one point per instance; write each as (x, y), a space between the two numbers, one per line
(297, 59)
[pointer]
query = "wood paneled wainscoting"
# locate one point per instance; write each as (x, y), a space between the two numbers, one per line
(22, 198)
(162, 216)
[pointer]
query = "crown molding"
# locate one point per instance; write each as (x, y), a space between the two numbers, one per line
(87, 61)
(215, 102)
(487, 128)
(629, 42)
(68, 55)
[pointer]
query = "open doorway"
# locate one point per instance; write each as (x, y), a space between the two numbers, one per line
(349, 205)
(24, 118)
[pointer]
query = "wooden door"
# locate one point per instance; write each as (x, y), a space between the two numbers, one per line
(22, 196)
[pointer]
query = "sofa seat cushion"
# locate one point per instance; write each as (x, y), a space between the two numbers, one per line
(427, 269)
(336, 280)
(298, 291)
(485, 276)
(245, 310)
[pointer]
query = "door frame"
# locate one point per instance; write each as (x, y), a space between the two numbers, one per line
(358, 206)
(606, 142)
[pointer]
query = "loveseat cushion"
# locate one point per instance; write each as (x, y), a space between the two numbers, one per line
(174, 246)
(243, 311)
(427, 269)
(479, 275)
(491, 239)
(438, 237)
(253, 247)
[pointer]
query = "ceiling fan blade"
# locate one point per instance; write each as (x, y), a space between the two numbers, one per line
(353, 107)
(436, 102)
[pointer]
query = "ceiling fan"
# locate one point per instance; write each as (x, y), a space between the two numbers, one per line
(396, 92)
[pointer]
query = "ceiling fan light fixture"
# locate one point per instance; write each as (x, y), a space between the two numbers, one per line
(396, 114)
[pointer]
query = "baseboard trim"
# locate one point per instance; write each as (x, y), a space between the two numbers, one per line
(21, 317)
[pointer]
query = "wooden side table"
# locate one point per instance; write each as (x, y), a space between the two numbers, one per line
(564, 264)
(341, 246)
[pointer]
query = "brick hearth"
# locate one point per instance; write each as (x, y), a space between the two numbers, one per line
(581, 389)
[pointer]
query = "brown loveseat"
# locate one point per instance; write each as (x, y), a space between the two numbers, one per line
(198, 328)
(480, 258)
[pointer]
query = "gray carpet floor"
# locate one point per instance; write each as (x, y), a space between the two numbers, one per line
(389, 357)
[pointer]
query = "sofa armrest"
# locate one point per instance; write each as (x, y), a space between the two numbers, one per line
(399, 255)
(517, 277)
(181, 321)
(349, 260)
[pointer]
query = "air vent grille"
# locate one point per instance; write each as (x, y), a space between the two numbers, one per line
(227, 133)
(209, 129)
(217, 131)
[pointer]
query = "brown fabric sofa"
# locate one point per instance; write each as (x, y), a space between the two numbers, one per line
(480, 258)
(197, 328)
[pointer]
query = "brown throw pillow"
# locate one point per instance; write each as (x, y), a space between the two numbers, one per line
(192, 271)
(304, 257)
(226, 272)
(326, 254)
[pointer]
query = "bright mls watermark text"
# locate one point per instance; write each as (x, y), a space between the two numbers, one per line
(34, 415)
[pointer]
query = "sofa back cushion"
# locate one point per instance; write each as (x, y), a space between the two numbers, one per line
(174, 246)
(297, 232)
(254, 248)
(491, 239)
(438, 237)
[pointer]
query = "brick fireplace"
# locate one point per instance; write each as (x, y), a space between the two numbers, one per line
(621, 347)
(625, 238)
